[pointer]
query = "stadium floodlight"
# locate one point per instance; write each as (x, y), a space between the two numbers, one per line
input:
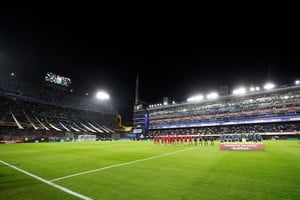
(86, 94)
(257, 88)
(297, 82)
(252, 89)
(195, 98)
(101, 95)
(173, 102)
(269, 86)
(212, 95)
(12, 74)
(239, 91)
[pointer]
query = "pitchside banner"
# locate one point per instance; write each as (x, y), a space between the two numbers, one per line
(247, 147)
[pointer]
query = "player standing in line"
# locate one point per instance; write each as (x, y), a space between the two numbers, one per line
(156, 139)
(195, 140)
(243, 138)
(177, 139)
(190, 140)
(200, 140)
(235, 138)
(259, 138)
(205, 140)
(181, 139)
(254, 138)
(185, 140)
(212, 143)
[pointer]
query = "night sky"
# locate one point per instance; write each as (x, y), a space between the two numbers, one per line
(173, 59)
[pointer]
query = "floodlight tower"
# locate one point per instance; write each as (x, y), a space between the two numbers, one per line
(140, 113)
(137, 89)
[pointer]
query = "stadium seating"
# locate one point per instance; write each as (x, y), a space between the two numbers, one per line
(34, 113)
(272, 111)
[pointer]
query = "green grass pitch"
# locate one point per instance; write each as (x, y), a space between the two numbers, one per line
(143, 170)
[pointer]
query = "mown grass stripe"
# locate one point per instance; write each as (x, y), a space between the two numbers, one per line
(47, 182)
(118, 165)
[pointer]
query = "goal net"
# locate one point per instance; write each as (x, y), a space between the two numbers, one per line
(87, 138)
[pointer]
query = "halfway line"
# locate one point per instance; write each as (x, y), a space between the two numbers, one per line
(117, 165)
(47, 182)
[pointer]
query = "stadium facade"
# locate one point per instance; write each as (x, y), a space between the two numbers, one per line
(270, 112)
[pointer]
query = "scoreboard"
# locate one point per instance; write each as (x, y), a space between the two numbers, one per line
(57, 79)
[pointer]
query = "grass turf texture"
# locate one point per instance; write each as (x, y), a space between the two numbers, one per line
(197, 173)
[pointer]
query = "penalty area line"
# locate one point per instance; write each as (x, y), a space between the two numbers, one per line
(118, 165)
(47, 182)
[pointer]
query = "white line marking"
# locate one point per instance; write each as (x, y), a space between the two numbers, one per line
(48, 182)
(118, 165)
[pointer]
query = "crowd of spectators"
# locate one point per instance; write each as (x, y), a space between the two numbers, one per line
(263, 129)
(48, 114)
(55, 95)
(283, 102)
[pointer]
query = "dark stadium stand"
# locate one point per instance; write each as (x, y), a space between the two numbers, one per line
(46, 114)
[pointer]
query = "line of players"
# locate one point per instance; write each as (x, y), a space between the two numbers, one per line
(184, 139)
(252, 138)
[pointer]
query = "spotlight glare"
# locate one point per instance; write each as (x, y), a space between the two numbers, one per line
(269, 86)
(102, 95)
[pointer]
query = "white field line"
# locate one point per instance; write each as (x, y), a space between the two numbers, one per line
(47, 182)
(118, 165)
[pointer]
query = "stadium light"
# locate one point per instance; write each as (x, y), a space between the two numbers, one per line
(297, 82)
(239, 91)
(269, 86)
(12, 74)
(253, 89)
(101, 95)
(212, 95)
(196, 98)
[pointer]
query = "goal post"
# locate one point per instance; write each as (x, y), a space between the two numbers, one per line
(87, 138)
